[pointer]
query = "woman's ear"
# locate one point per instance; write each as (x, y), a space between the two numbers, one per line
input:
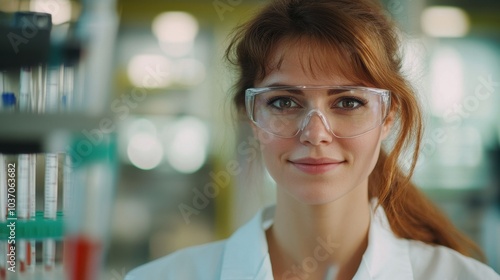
(387, 125)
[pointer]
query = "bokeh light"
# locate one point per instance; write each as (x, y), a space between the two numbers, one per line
(187, 150)
(60, 10)
(149, 71)
(443, 21)
(175, 32)
(145, 151)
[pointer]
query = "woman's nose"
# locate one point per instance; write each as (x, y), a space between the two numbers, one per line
(316, 129)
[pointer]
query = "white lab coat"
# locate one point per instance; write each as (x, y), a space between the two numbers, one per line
(245, 256)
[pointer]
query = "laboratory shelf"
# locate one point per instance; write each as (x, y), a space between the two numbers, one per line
(46, 72)
(36, 133)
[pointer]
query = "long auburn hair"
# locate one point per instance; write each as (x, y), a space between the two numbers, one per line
(363, 42)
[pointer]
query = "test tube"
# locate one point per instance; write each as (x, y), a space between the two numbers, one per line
(24, 89)
(32, 209)
(8, 101)
(8, 97)
(68, 88)
(51, 168)
(3, 188)
(40, 85)
(67, 183)
(34, 91)
(50, 207)
(68, 194)
(52, 95)
(3, 215)
(24, 165)
(2, 86)
(2, 89)
(23, 204)
(25, 100)
(86, 229)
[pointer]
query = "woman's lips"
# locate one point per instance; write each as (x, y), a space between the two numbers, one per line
(316, 166)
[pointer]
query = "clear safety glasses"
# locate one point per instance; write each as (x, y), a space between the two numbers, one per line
(346, 111)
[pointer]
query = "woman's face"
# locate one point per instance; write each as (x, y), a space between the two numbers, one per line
(315, 167)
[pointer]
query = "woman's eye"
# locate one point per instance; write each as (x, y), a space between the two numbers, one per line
(349, 103)
(283, 103)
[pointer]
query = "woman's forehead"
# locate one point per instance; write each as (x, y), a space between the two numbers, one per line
(289, 75)
(309, 60)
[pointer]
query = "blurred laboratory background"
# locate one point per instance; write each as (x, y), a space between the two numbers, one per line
(185, 176)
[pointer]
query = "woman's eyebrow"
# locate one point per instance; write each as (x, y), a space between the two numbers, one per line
(301, 92)
(293, 91)
(278, 85)
(337, 91)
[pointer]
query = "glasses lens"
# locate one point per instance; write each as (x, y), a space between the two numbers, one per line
(349, 112)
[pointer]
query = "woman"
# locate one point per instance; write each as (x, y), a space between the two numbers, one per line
(320, 84)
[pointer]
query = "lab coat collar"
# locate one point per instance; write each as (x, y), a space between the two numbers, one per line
(246, 252)
(387, 256)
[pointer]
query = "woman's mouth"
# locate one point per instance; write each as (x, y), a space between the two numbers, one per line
(316, 165)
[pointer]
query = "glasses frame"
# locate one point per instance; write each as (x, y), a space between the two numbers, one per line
(250, 94)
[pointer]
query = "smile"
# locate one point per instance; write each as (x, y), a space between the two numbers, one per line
(315, 166)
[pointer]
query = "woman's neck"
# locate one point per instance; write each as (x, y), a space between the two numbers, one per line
(306, 239)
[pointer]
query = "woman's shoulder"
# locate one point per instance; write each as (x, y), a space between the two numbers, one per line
(197, 262)
(439, 262)
(242, 253)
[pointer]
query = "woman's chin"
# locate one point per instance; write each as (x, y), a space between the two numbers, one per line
(316, 196)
